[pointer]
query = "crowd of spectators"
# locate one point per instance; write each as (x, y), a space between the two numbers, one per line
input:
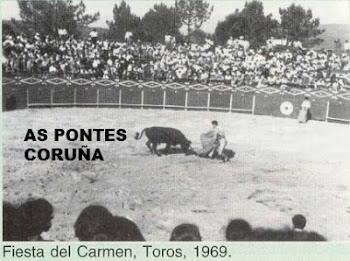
(28, 221)
(234, 64)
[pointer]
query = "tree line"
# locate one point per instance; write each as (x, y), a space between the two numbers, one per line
(251, 22)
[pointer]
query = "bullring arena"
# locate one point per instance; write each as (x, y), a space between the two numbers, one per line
(270, 80)
(281, 168)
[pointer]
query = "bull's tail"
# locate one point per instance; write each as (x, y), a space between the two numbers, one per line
(138, 136)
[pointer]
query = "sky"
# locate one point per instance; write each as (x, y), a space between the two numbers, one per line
(329, 11)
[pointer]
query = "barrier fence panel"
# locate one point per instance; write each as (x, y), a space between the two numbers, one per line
(175, 96)
(197, 97)
(274, 102)
(220, 97)
(153, 94)
(339, 109)
(63, 95)
(86, 95)
(130, 94)
(269, 102)
(39, 95)
(318, 108)
(242, 99)
(108, 95)
(20, 93)
(287, 103)
(61, 92)
(107, 92)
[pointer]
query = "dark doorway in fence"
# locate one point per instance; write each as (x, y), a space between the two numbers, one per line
(11, 103)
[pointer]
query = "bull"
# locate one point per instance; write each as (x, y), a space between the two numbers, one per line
(169, 136)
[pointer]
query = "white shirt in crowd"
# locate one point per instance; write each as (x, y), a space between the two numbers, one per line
(128, 35)
(347, 46)
(93, 34)
(62, 32)
(168, 38)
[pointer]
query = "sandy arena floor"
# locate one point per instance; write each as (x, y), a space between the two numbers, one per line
(281, 168)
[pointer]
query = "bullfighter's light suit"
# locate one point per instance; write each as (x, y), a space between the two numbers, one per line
(213, 140)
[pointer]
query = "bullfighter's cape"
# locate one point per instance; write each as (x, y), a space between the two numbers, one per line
(208, 141)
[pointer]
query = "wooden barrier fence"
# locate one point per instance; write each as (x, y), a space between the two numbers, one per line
(58, 92)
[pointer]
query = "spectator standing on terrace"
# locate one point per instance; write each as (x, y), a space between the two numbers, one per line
(337, 49)
(305, 107)
(69, 56)
(128, 37)
(94, 35)
(230, 42)
(62, 34)
(347, 47)
(169, 42)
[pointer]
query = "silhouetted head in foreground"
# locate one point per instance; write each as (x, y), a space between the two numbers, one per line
(12, 223)
(239, 230)
(95, 223)
(299, 222)
(298, 235)
(37, 215)
(287, 234)
(313, 236)
(268, 234)
(186, 232)
(126, 230)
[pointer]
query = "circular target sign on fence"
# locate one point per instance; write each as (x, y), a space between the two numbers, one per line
(286, 108)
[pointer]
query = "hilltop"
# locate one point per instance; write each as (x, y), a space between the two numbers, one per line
(333, 32)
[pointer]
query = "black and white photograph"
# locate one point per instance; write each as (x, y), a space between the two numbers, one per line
(176, 120)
